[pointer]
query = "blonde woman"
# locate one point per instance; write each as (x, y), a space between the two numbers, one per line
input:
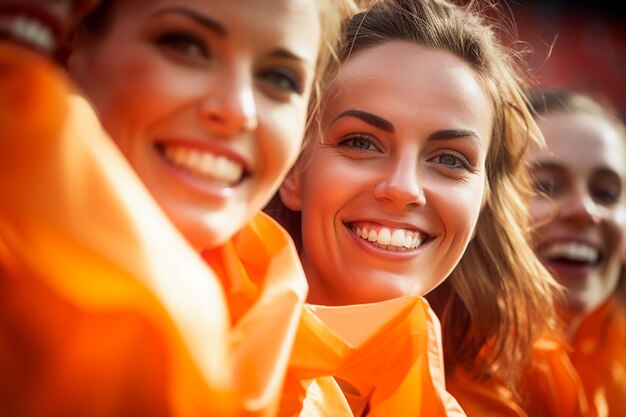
(108, 307)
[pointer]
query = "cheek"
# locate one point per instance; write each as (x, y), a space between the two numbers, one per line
(616, 222)
(280, 139)
(460, 208)
(540, 211)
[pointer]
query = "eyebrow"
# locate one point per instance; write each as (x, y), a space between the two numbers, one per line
(547, 165)
(453, 134)
(369, 118)
(220, 30)
(201, 19)
(284, 53)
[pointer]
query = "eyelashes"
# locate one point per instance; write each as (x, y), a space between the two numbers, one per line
(185, 45)
(283, 79)
(360, 142)
(189, 48)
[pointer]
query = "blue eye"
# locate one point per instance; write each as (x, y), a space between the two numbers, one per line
(184, 44)
(453, 160)
(359, 142)
(283, 80)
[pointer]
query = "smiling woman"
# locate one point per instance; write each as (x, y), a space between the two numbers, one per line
(204, 101)
(580, 222)
(137, 275)
(415, 179)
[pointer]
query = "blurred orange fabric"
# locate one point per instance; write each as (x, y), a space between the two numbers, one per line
(599, 356)
(584, 379)
(549, 388)
(106, 310)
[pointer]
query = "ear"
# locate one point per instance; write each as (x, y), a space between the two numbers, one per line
(290, 189)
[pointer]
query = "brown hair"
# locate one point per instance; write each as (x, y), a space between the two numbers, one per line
(496, 302)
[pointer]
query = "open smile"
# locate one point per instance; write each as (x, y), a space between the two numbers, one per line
(203, 164)
(388, 238)
(572, 253)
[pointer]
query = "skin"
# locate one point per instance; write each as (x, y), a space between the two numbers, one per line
(406, 131)
(207, 103)
(583, 171)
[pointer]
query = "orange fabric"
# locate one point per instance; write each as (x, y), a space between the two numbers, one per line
(105, 309)
(388, 353)
(266, 289)
(550, 388)
(483, 398)
(599, 356)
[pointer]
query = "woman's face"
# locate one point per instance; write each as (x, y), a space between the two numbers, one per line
(390, 195)
(206, 99)
(580, 227)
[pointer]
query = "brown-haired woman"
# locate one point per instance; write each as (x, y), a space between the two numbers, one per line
(415, 178)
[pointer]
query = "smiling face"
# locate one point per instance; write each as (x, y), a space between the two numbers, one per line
(580, 227)
(391, 194)
(207, 103)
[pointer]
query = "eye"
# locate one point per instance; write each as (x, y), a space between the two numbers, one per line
(184, 44)
(283, 80)
(607, 194)
(359, 142)
(453, 160)
(544, 186)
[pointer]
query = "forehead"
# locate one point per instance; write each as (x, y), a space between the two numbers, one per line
(400, 79)
(581, 141)
(290, 22)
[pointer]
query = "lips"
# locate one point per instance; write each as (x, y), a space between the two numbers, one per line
(217, 169)
(389, 238)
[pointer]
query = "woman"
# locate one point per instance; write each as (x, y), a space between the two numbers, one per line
(580, 218)
(117, 313)
(417, 161)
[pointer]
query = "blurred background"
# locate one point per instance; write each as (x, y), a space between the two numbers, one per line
(579, 44)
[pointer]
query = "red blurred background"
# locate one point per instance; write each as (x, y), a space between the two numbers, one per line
(577, 44)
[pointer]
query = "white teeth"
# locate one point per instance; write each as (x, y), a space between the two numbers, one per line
(33, 32)
(384, 236)
(399, 239)
(204, 164)
(578, 252)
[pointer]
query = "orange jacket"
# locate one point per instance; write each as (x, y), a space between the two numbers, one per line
(106, 310)
(387, 354)
(599, 356)
(550, 388)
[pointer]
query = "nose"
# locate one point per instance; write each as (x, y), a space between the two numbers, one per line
(581, 208)
(230, 107)
(401, 185)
